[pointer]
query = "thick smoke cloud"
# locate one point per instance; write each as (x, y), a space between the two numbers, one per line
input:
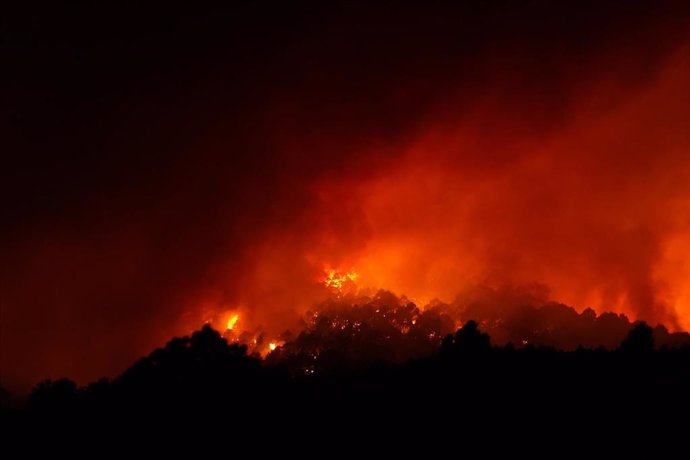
(166, 166)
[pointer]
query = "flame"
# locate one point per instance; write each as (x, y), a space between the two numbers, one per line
(339, 281)
(272, 346)
(232, 321)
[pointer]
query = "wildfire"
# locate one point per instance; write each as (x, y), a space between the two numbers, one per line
(338, 281)
(272, 346)
(232, 321)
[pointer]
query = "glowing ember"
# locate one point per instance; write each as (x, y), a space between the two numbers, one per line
(338, 281)
(232, 321)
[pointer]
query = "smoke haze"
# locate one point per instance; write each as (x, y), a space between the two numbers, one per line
(165, 167)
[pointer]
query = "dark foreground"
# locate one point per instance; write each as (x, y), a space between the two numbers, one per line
(202, 390)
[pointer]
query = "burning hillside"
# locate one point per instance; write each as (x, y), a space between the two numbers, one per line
(268, 169)
(353, 329)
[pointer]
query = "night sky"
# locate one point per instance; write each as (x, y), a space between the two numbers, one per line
(162, 165)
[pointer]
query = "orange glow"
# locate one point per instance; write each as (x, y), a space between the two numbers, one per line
(483, 200)
(491, 151)
(462, 206)
(272, 346)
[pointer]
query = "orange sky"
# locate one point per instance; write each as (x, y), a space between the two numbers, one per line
(194, 163)
(595, 209)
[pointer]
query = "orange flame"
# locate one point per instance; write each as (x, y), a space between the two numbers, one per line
(232, 321)
(338, 281)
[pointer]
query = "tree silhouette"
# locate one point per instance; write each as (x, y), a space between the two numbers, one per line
(640, 340)
(4, 398)
(468, 340)
(197, 379)
(53, 394)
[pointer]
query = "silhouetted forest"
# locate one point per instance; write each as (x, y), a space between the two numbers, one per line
(383, 364)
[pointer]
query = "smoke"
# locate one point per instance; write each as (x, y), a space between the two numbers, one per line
(201, 162)
(592, 207)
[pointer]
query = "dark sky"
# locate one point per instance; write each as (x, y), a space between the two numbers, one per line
(162, 163)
